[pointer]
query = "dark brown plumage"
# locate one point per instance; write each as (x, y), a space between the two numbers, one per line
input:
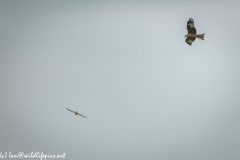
(192, 32)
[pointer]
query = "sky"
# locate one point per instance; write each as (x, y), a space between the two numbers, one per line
(125, 66)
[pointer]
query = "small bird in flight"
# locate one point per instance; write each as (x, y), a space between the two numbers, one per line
(76, 113)
(192, 32)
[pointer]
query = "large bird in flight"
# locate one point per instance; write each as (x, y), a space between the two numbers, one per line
(76, 113)
(192, 32)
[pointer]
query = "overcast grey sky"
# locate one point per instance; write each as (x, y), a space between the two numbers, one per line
(124, 65)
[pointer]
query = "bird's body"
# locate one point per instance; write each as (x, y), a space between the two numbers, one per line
(195, 35)
(76, 113)
(192, 32)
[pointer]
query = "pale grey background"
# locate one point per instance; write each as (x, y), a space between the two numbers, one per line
(125, 65)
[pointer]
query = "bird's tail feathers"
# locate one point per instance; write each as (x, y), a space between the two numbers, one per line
(200, 36)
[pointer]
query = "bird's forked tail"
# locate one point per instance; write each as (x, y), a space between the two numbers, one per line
(200, 36)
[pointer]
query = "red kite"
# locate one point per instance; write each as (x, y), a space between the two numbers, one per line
(76, 113)
(192, 32)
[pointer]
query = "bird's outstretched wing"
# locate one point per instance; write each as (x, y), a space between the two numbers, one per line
(190, 40)
(76, 112)
(81, 115)
(70, 110)
(190, 26)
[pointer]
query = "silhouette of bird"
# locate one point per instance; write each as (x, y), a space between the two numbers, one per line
(76, 113)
